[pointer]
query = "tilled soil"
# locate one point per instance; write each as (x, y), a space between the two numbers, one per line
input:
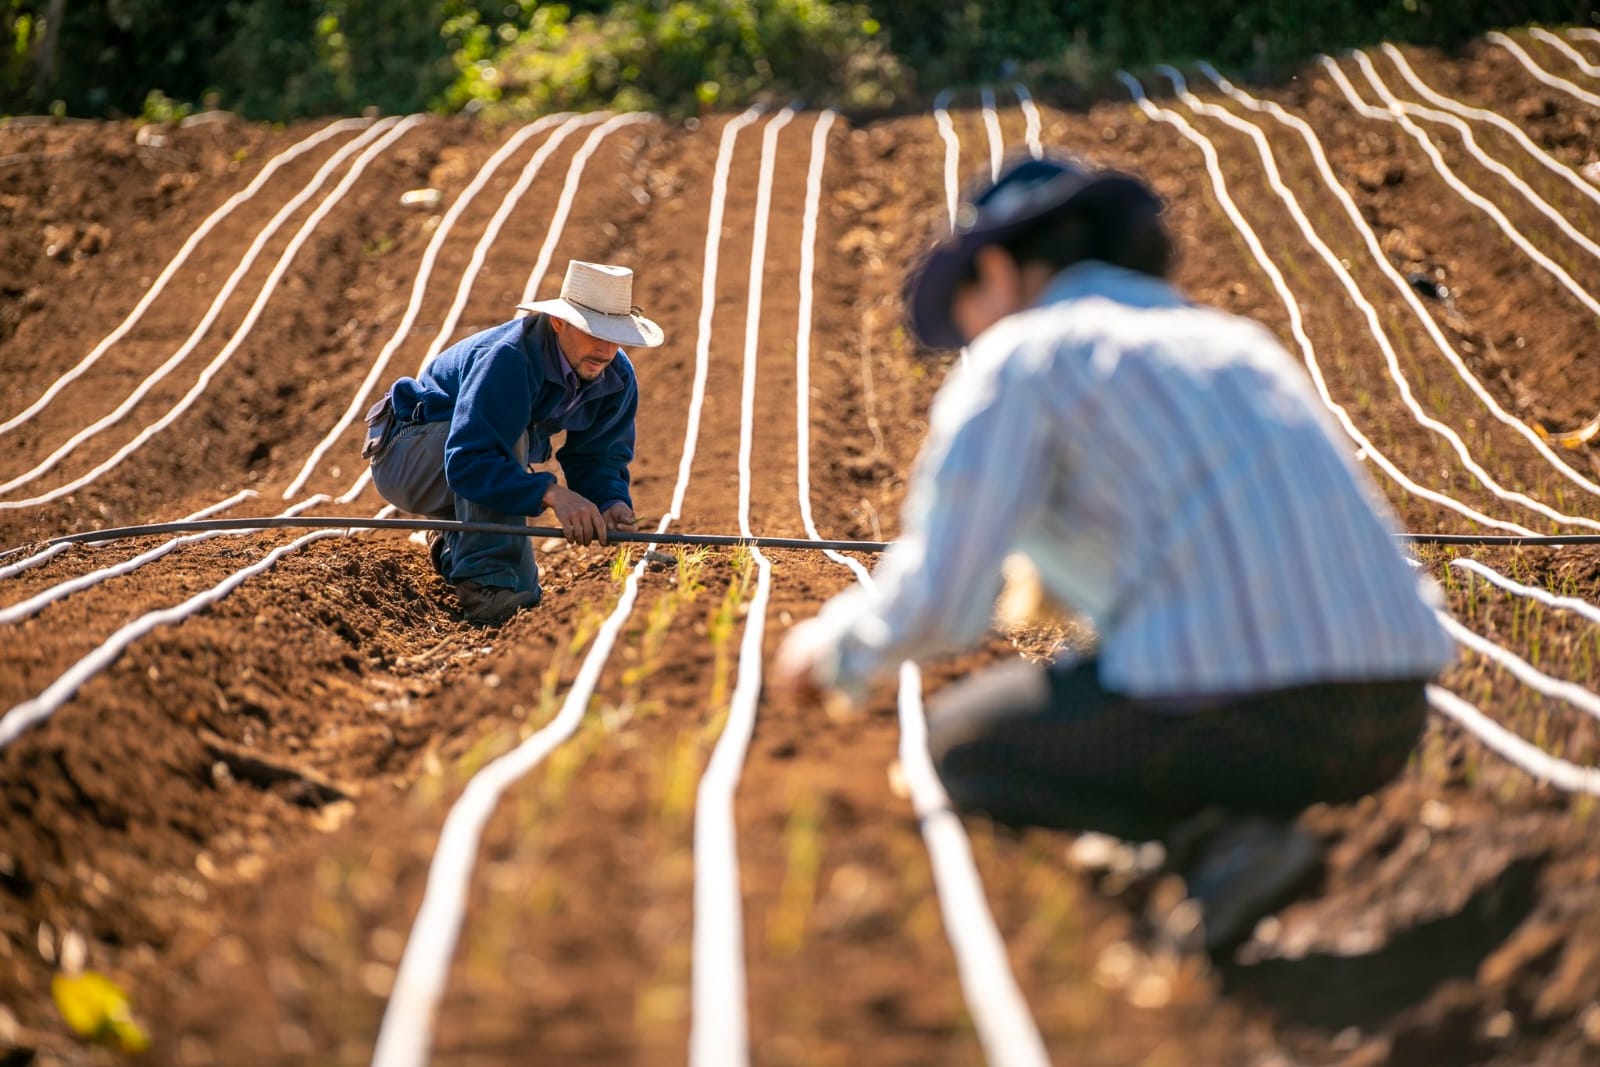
(234, 819)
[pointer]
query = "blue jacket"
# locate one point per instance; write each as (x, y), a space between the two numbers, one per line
(510, 379)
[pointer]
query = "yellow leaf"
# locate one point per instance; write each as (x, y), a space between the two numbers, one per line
(97, 1009)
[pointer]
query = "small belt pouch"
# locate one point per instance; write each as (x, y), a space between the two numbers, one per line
(381, 428)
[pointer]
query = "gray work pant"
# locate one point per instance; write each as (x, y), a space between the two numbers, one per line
(408, 471)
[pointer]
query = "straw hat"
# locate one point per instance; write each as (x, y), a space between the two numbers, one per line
(597, 298)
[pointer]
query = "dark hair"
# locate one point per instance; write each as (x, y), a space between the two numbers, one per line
(1103, 223)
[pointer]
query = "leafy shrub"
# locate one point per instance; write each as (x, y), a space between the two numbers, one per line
(679, 57)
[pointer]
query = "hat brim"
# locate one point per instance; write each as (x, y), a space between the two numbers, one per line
(931, 288)
(629, 331)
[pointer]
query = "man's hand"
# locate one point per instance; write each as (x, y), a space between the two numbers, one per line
(619, 516)
(795, 670)
(580, 520)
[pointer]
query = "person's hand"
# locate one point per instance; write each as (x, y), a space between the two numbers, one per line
(580, 520)
(619, 516)
(795, 670)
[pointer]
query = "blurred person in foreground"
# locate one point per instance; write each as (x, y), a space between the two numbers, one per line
(458, 441)
(1262, 643)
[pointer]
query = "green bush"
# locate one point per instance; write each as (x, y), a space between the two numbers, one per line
(280, 59)
(680, 57)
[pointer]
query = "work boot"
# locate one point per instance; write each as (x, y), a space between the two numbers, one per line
(491, 605)
(1242, 870)
(436, 546)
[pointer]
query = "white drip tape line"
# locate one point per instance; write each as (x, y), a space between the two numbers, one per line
(1291, 305)
(60, 591)
(1521, 753)
(1399, 113)
(1577, 605)
(1581, 34)
(1525, 672)
(508, 204)
(1524, 755)
(480, 254)
(719, 1027)
(1375, 249)
(53, 551)
(1369, 311)
(991, 129)
(952, 153)
(32, 712)
(1397, 107)
(569, 193)
(405, 1037)
(1006, 1028)
(268, 289)
(1498, 121)
(419, 287)
(1539, 73)
(272, 166)
(245, 263)
(1034, 121)
(952, 163)
(1578, 59)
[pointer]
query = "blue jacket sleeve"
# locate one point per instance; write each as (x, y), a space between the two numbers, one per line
(491, 415)
(596, 460)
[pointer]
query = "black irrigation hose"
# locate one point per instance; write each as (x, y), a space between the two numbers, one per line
(624, 536)
(315, 522)
(1512, 540)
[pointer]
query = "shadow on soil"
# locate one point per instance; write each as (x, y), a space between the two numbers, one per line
(1370, 991)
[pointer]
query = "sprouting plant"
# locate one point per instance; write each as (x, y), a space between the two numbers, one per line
(682, 774)
(720, 631)
(622, 563)
(690, 566)
(786, 929)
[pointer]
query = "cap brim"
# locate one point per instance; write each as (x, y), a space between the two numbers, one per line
(628, 331)
(931, 289)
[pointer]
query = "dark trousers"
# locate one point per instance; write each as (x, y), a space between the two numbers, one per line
(1048, 746)
(408, 472)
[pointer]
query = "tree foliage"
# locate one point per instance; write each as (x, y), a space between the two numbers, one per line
(279, 59)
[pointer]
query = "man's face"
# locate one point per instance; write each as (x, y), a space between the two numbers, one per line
(997, 290)
(587, 355)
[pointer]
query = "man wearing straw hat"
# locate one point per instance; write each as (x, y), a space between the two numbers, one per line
(1262, 644)
(457, 442)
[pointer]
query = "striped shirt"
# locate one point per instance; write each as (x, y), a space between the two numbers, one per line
(1171, 474)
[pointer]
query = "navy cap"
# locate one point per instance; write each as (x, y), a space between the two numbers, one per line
(1023, 195)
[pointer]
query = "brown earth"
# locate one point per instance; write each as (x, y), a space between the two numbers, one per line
(234, 820)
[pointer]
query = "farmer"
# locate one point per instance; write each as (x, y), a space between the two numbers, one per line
(457, 442)
(1262, 644)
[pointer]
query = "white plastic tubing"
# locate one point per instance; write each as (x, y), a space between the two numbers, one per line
(1521, 753)
(718, 1030)
(1375, 250)
(1369, 312)
(61, 590)
(390, 135)
(1399, 112)
(1006, 1029)
(405, 1037)
(1565, 49)
(492, 232)
(288, 155)
(1292, 306)
(1033, 121)
(246, 261)
(39, 558)
(31, 712)
(74, 585)
(419, 287)
(1493, 118)
(1539, 73)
